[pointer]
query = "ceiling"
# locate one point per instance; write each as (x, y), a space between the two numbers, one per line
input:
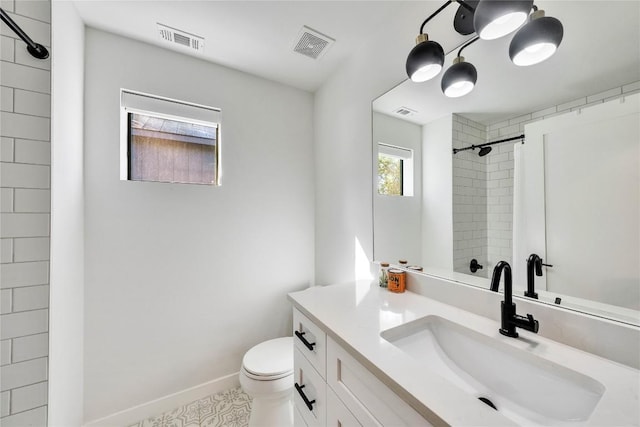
(600, 50)
(256, 37)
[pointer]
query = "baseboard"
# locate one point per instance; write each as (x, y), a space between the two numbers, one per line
(166, 403)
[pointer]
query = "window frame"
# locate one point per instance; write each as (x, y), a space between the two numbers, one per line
(125, 135)
(406, 157)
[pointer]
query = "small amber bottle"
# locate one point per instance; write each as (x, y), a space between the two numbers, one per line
(397, 280)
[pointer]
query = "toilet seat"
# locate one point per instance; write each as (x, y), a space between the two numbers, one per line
(270, 360)
(259, 377)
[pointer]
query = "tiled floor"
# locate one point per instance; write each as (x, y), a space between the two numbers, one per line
(229, 408)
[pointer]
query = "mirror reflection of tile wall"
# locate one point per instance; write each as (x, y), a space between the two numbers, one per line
(470, 232)
(482, 195)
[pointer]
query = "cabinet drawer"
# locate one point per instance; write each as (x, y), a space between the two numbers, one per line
(310, 340)
(309, 395)
(337, 414)
(371, 401)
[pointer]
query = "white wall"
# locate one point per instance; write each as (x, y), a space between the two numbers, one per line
(181, 280)
(67, 218)
(398, 225)
(437, 208)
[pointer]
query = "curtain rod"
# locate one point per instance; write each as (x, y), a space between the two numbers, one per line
(35, 49)
(500, 141)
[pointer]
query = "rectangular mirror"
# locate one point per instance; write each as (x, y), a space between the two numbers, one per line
(462, 215)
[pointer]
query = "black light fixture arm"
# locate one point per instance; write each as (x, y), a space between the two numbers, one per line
(443, 7)
(500, 141)
(467, 6)
(473, 40)
(35, 49)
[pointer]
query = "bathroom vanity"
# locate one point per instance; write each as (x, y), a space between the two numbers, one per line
(366, 356)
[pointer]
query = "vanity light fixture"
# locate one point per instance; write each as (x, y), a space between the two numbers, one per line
(536, 41)
(461, 77)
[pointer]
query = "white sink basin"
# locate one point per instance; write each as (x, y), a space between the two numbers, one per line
(524, 387)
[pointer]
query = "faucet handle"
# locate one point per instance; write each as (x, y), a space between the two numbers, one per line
(474, 265)
(538, 265)
(533, 322)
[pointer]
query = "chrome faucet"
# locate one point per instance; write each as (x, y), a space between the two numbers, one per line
(533, 262)
(510, 320)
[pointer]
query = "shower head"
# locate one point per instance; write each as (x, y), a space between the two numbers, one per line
(484, 148)
(484, 151)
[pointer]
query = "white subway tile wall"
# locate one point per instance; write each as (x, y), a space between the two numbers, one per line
(7, 49)
(25, 201)
(469, 197)
(4, 403)
(6, 150)
(483, 186)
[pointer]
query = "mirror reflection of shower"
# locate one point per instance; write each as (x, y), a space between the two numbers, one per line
(484, 151)
(482, 194)
(485, 148)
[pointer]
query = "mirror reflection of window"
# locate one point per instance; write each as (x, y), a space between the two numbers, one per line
(389, 175)
(395, 170)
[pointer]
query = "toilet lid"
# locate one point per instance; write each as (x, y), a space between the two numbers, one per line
(273, 357)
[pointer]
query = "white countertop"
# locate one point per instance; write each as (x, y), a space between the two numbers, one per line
(355, 313)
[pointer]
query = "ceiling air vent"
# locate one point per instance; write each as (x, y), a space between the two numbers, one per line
(311, 43)
(181, 38)
(405, 111)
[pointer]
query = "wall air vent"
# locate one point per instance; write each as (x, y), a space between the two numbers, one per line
(311, 43)
(404, 111)
(181, 38)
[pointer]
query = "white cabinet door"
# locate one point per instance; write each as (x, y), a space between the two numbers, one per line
(371, 401)
(298, 421)
(337, 414)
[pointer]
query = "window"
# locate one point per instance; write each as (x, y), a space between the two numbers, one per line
(389, 175)
(395, 170)
(164, 140)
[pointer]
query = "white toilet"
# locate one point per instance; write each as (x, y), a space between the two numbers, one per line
(267, 376)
